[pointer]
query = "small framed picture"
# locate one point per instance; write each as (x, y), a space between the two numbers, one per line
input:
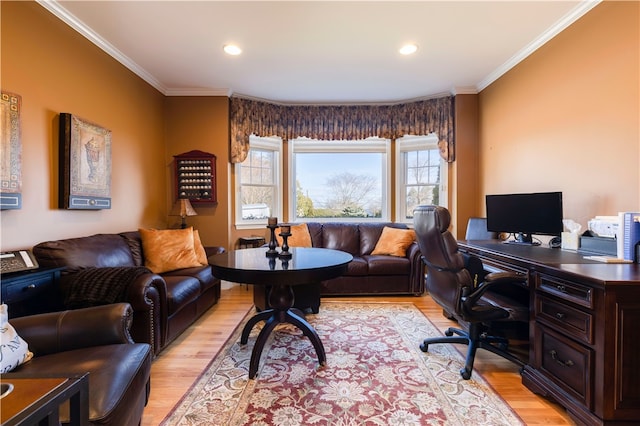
(85, 164)
(10, 152)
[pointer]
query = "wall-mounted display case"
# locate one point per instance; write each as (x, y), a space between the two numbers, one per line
(195, 176)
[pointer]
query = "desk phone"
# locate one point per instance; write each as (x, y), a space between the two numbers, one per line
(16, 261)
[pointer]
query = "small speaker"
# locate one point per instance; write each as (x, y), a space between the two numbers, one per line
(555, 242)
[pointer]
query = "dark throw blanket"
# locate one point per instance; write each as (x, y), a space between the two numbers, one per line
(100, 286)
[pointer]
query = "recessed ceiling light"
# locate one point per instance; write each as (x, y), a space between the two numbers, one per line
(232, 49)
(408, 49)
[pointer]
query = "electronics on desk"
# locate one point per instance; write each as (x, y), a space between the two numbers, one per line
(591, 244)
(16, 261)
(525, 214)
(629, 235)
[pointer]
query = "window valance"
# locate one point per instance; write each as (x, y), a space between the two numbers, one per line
(340, 122)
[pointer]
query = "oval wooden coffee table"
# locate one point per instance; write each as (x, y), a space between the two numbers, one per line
(253, 266)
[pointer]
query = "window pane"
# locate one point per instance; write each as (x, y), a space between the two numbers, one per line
(257, 201)
(420, 194)
(257, 190)
(339, 184)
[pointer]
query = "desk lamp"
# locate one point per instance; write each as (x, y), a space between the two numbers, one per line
(183, 208)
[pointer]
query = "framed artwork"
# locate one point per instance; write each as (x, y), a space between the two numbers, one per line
(10, 152)
(85, 164)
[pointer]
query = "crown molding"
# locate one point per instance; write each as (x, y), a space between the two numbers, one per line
(61, 13)
(464, 90)
(568, 19)
(198, 92)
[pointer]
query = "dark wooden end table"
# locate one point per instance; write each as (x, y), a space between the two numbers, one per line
(36, 399)
(253, 266)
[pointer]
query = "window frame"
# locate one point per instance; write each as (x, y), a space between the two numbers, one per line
(372, 144)
(410, 143)
(273, 144)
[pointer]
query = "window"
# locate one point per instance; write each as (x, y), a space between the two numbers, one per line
(258, 180)
(420, 175)
(339, 180)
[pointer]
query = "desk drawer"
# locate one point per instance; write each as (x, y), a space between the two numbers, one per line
(566, 290)
(564, 318)
(567, 363)
(25, 288)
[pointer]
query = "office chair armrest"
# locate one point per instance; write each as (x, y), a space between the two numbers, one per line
(493, 281)
(503, 277)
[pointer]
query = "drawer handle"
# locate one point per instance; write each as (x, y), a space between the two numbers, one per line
(561, 288)
(560, 315)
(31, 286)
(554, 355)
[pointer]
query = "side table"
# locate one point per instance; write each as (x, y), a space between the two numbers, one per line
(31, 292)
(36, 400)
(250, 242)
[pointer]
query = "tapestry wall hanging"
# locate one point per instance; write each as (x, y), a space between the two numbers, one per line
(85, 162)
(10, 152)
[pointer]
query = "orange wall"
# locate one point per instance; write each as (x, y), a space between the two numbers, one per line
(201, 123)
(55, 70)
(568, 118)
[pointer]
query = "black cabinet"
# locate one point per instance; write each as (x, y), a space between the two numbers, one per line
(32, 292)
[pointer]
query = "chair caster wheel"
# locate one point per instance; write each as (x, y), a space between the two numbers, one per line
(448, 333)
(424, 347)
(466, 374)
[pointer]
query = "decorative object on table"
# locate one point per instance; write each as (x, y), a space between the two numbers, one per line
(402, 385)
(272, 224)
(285, 233)
(183, 208)
(195, 177)
(285, 262)
(85, 162)
(11, 158)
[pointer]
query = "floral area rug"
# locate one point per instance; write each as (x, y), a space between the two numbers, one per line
(375, 374)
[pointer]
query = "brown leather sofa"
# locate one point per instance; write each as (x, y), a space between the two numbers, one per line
(367, 274)
(164, 305)
(94, 340)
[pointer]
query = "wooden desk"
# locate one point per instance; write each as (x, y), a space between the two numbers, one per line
(584, 340)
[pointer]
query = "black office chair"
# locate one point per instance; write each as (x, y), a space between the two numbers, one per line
(452, 281)
(477, 230)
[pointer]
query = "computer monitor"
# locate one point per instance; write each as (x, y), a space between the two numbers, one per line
(525, 214)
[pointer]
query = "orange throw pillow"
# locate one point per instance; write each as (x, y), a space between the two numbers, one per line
(201, 253)
(168, 249)
(394, 241)
(299, 237)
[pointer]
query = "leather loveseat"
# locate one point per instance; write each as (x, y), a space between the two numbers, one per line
(164, 304)
(92, 340)
(367, 274)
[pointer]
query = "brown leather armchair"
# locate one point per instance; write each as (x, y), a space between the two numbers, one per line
(459, 285)
(94, 340)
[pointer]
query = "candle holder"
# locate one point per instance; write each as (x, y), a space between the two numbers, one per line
(272, 240)
(285, 263)
(285, 234)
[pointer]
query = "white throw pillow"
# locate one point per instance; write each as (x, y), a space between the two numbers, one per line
(13, 349)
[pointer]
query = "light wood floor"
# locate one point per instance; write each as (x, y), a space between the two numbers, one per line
(177, 367)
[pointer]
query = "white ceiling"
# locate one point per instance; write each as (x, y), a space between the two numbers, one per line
(320, 51)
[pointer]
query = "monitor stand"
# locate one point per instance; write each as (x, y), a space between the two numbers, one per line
(522, 239)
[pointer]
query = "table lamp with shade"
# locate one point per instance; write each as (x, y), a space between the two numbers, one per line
(183, 208)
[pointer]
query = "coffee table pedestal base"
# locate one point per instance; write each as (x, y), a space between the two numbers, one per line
(281, 299)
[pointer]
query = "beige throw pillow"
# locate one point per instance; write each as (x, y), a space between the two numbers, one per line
(394, 241)
(300, 236)
(168, 249)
